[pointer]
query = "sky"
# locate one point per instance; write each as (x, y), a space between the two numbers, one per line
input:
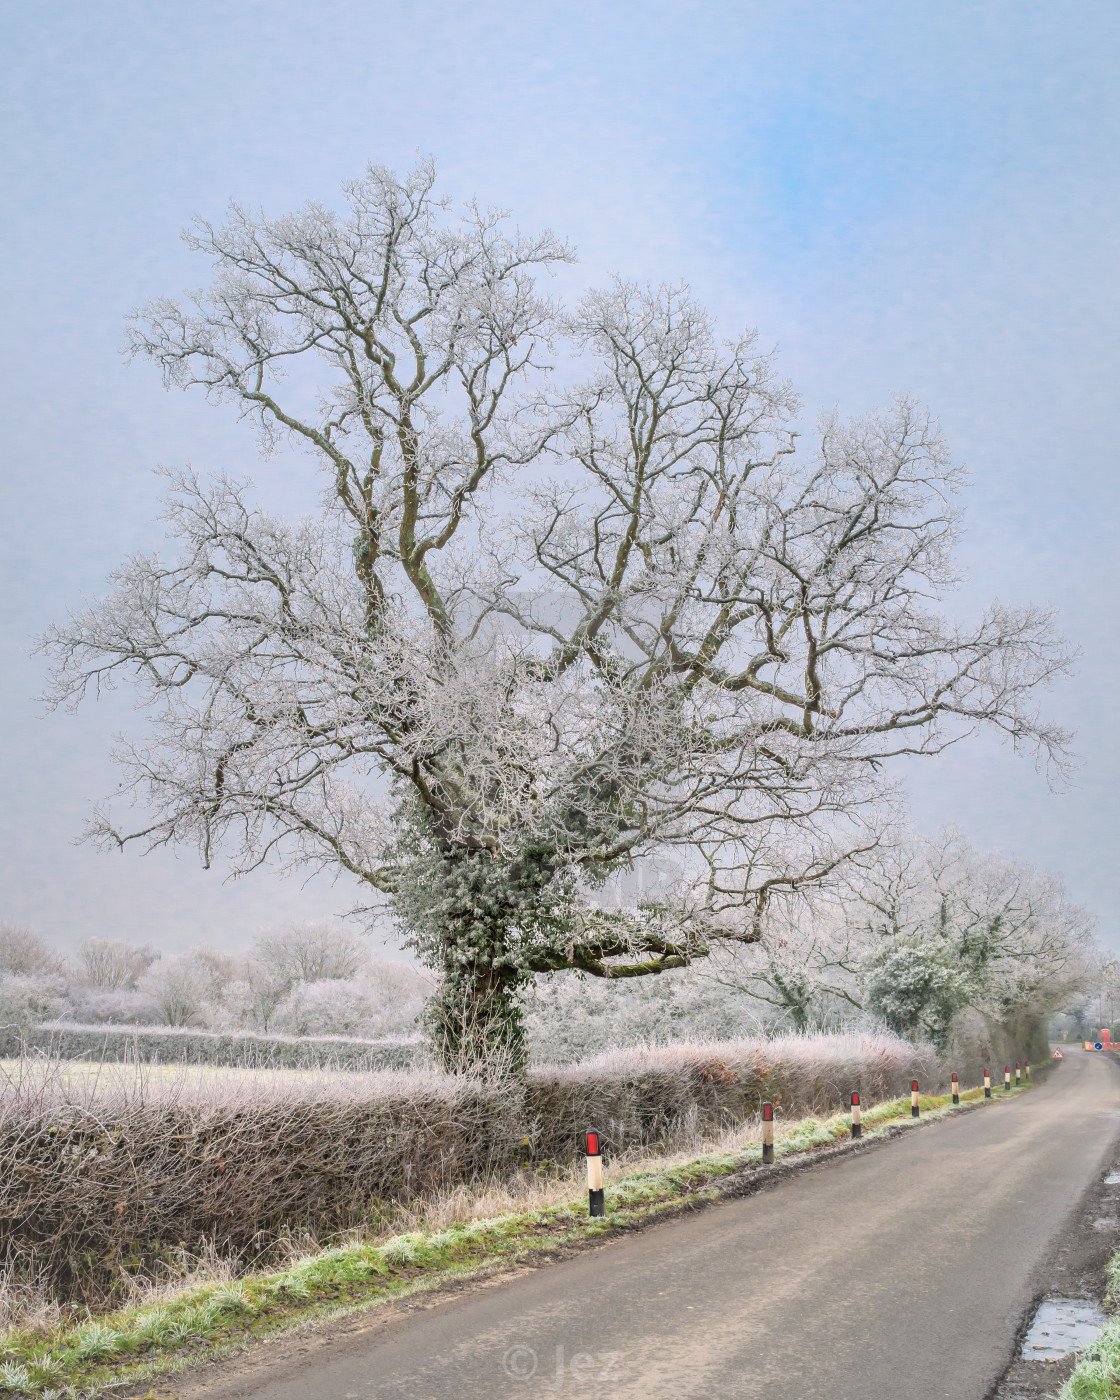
(903, 197)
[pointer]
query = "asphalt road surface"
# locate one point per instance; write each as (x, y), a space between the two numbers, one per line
(900, 1273)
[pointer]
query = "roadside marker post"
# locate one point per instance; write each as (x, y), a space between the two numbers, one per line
(596, 1202)
(1027, 1067)
(1007, 1079)
(913, 1098)
(767, 1132)
(956, 1090)
(857, 1116)
(1017, 1081)
(987, 1084)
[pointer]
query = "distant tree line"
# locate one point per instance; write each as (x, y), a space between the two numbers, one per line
(304, 979)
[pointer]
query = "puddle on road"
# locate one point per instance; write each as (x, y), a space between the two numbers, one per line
(1061, 1327)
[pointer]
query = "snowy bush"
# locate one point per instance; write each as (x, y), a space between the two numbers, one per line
(24, 953)
(25, 1001)
(94, 1006)
(179, 989)
(333, 1006)
(383, 1000)
(918, 987)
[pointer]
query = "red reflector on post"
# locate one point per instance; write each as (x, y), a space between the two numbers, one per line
(592, 1144)
(855, 1098)
(767, 1112)
(913, 1086)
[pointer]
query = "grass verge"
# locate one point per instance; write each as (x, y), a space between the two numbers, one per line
(207, 1321)
(1097, 1374)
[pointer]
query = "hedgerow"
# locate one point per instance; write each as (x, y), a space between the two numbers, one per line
(639, 1097)
(173, 1045)
(107, 1169)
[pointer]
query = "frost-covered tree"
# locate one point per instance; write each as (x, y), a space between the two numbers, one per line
(948, 927)
(382, 999)
(25, 953)
(179, 989)
(570, 1018)
(577, 596)
(112, 965)
(809, 966)
(918, 986)
(928, 929)
(309, 952)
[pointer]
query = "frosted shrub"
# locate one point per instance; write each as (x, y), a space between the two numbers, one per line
(379, 1002)
(237, 1010)
(397, 993)
(24, 953)
(25, 1001)
(93, 1006)
(333, 1006)
(179, 988)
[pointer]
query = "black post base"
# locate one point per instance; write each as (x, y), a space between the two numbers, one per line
(767, 1152)
(596, 1202)
(913, 1110)
(987, 1093)
(857, 1130)
(956, 1098)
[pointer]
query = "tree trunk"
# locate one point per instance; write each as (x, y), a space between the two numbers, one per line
(469, 916)
(474, 1019)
